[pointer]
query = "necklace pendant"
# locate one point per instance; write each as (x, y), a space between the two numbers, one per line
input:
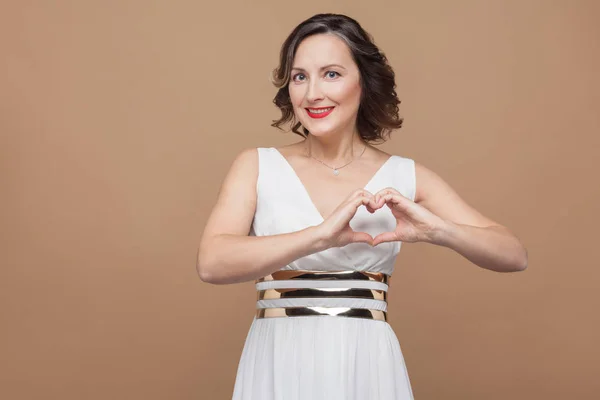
(336, 172)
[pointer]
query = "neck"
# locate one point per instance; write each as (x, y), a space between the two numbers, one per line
(335, 149)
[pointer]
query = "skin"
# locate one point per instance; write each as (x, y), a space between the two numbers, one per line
(438, 215)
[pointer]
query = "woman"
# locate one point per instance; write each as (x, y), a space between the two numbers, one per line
(318, 225)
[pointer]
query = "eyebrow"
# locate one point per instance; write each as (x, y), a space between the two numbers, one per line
(320, 69)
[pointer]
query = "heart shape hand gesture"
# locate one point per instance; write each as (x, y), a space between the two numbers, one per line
(414, 222)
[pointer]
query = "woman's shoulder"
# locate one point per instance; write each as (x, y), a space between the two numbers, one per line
(400, 158)
(290, 150)
(246, 159)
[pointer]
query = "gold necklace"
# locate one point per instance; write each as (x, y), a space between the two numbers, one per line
(336, 171)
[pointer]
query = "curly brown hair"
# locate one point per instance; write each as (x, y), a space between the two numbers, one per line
(378, 110)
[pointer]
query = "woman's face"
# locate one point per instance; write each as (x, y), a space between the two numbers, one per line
(325, 85)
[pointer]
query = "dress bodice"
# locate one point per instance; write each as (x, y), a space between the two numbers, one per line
(284, 205)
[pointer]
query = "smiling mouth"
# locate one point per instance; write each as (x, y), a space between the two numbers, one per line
(319, 112)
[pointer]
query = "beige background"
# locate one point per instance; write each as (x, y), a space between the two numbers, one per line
(119, 119)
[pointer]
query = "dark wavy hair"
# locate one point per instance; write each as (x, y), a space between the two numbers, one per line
(378, 110)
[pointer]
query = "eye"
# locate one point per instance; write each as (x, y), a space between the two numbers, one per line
(332, 72)
(296, 75)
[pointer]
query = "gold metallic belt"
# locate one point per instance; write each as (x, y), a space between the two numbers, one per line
(299, 293)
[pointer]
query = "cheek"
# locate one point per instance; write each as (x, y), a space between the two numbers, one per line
(347, 92)
(296, 96)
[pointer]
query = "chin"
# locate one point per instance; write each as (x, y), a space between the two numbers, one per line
(321, 130)
(318, 132)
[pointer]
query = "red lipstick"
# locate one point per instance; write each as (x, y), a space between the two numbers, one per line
(321, 114)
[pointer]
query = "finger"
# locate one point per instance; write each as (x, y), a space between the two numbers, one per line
(349, 208)
(362, 199)
(360, 192)
(383, 192)
(387, 190)
(362, 237)
(372, 206)
(393, 199)
(385, 237)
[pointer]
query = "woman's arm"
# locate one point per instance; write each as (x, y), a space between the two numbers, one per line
(481, 240)
(226, 253)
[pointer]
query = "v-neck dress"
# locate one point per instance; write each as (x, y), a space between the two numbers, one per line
(324, 356)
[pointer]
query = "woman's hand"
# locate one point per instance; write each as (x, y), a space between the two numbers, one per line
(336, 230)
(414, 223)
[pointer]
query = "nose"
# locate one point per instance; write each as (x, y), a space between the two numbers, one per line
(314, 92)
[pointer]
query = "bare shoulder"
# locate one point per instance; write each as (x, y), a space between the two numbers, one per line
(236, 200)
(435, 194)
(425, 178)
(378, 155)
(246, 159)
(292, 150)
(242, 174)
(243, 171)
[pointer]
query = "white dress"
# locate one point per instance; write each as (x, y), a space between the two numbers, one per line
(324, 356)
